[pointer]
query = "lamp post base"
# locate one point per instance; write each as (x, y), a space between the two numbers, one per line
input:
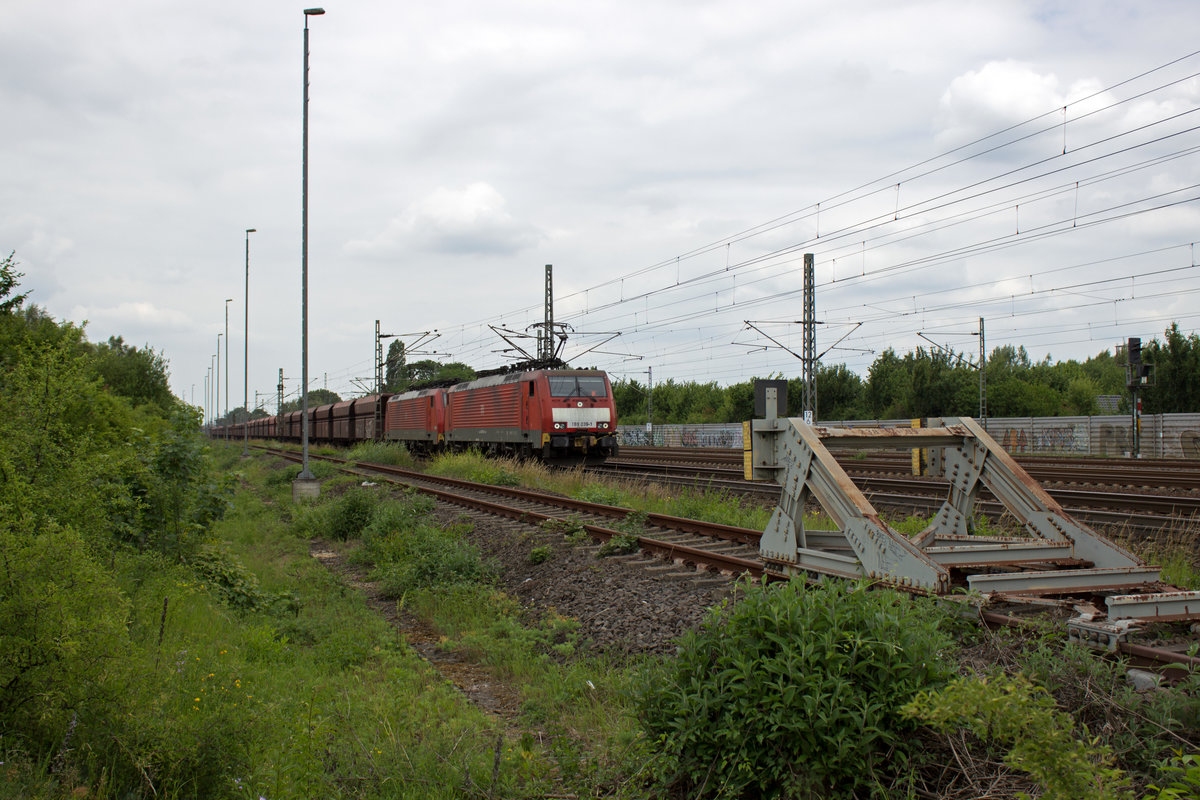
(305, 489)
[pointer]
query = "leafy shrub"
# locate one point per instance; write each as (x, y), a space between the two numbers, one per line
(342, 517)
(61, 629)
(1015, 712)
(571, 529)
(540, 555)
(1184, 774)
(234, 584)
(619, 545)
(1141, 728)
(794, 690)
(424, 555)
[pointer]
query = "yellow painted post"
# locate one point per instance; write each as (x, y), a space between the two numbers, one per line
(917, 455)
(747, 452)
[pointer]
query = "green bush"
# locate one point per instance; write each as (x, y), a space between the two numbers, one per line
(424, 555)
(62, 627)
(793, 691)
(342, 517)
(1041, 739)
(540, 555)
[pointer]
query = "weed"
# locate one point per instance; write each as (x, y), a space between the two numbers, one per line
(793, 691)
(619, 545)
(541, 554)
(1042, 742)
(393, 453)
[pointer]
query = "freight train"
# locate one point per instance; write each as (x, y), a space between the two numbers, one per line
(552, 414)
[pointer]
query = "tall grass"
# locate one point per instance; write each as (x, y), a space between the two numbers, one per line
(393, 453)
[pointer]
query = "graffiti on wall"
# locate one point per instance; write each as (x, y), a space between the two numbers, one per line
(723, 437)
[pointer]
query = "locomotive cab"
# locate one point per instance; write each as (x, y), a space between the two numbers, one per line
(578, 416)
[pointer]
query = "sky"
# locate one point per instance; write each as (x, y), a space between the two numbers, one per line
(1034, 164)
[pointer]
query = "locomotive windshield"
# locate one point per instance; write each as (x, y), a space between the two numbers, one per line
(577, 386)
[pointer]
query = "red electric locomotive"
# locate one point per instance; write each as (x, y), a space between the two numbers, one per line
(555, 414)
(552, 413)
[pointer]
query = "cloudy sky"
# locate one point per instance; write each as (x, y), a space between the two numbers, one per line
(1036, 164)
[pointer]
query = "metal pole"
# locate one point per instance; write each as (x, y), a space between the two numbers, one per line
(983, 415)
(305, 472)
(246, 359)
(217, 384)
(228, 300)
(650, 398)
(810, 342)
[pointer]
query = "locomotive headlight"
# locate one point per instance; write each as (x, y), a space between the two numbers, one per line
(558, 426)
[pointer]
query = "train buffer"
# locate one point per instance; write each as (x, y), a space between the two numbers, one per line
(1052, 559)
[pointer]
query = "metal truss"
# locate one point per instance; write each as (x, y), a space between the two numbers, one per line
(1054, 559)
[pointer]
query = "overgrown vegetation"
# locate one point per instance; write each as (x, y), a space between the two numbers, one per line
(794, 691)
(162, 636)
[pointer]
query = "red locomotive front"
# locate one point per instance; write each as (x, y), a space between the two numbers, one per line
(576, 413)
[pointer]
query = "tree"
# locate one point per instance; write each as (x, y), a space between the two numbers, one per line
(316, 397)
(839, 392)
(888, 387)
(1176, 373)
(139, 375)
(394, 367)
(8, 282)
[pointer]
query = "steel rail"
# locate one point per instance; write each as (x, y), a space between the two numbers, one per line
(673, 551)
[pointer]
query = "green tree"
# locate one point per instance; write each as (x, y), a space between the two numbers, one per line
(889, 386)
(139, 375)
(1176, 368)
(9, 278)
(394, 367)
(316, 398)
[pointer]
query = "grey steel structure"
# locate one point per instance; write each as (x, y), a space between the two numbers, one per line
(1055, 555)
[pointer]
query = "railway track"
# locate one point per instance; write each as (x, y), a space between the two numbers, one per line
(1174, 474)
(702, 546)
(1135, 513)
(685, 548)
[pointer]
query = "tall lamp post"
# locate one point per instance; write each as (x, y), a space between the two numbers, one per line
(246, 357)
(217, 392)
(306, 475)
(228, 300)
(211, 369)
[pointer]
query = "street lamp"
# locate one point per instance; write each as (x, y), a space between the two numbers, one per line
(228, 300)
(217, 387)
(211, 371)
(305, 473)
(246, 357)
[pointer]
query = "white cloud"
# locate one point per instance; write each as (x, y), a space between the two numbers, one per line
(471, 220)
